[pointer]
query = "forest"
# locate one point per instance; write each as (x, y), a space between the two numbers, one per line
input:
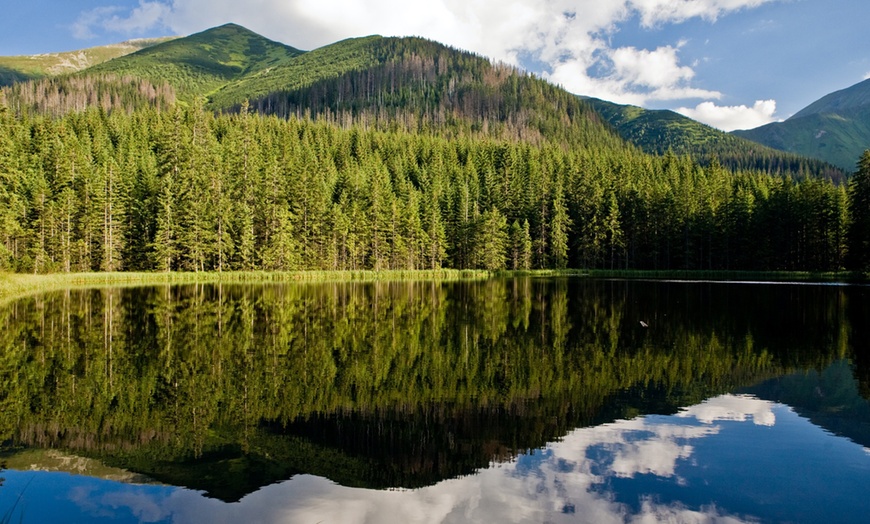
(105, 184)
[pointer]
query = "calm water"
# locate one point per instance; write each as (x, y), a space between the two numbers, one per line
(528, 400)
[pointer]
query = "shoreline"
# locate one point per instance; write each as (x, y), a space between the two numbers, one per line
(17, 285)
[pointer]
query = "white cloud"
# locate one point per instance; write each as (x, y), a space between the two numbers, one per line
(570, 38)
(867, 76)
(729, 118)
(143, 17)
(656, 69)
(654, 12)
(83, 27)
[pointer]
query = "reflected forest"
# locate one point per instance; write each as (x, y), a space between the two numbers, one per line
(388, 384)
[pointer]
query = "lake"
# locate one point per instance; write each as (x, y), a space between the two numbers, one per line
(503, 400)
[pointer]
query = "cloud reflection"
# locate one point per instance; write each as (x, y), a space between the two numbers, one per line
(568, 481)
(737, 408)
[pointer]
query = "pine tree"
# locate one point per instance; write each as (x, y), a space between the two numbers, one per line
(526, 247)
(492, 243)
(559, 229)
(859, 208)
(613, 229)
(515, 234)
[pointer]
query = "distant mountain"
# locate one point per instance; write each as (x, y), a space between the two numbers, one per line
(835, 128)
(658, 131)
(415, 84)
(839, 102)
(201, 63)
(29, 67)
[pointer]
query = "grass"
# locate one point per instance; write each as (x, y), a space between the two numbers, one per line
(15, 285)
(20, 68)
(201, 64)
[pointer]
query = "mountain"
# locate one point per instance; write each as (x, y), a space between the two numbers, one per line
(375, 153)
(414, 84)
(835, 128)
(201, 63)
(303, 69)
(839, 102)
(658, 131)
(22, 68)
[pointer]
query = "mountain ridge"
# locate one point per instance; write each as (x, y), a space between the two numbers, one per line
(31, 67)
(380, 79)
(202, 62)
(834, 128)
(659, 131)
(849, 98)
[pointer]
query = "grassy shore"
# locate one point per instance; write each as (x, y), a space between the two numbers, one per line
(14, 285)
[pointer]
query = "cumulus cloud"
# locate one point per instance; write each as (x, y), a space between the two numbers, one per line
(729, 118)
(144, 17)
(568, 40)
(655, 12)
(83, 27)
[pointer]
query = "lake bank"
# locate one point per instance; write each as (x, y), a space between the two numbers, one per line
(15, 285)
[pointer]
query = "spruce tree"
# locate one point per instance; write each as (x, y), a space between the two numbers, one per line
(859, 207)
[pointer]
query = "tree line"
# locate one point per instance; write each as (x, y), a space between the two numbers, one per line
(185, 189)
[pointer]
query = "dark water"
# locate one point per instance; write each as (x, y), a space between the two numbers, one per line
(528, 400)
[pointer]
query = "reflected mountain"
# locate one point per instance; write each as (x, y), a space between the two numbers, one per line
(730, 459)
(829, 398)
(226, 389)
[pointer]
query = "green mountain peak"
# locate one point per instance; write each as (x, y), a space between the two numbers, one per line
(835, 128)
(839, 102)
(203, 62)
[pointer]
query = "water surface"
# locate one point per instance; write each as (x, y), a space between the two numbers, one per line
(516, 400)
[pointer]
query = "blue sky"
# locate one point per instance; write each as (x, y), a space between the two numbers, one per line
(731, 63)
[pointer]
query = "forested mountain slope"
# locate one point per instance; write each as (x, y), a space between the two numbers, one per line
(421, 85)
(201, 63)
(373, 153)
(412, 83)
(658, 131)
(187, 190)
(835, 128)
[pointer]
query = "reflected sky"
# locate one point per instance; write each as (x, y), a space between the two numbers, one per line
(733, 458)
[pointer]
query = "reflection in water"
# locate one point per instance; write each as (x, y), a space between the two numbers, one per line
(522, 398)
(689, 467)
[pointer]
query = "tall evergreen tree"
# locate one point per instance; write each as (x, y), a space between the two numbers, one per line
(493, 240)
(559, 227)
(859, 207)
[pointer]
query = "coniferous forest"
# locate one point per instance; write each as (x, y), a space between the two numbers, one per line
(184, 189)
(479, 166)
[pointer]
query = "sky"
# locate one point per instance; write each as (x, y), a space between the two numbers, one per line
(733, 64)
